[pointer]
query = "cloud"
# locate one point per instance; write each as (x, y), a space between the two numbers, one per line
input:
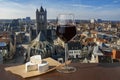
(81, 5)
(87, 7)
(54, 12)
(11, 9)
(102, 14)
(115, 1)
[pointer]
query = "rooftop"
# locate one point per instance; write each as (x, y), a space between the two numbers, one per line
(5, 37)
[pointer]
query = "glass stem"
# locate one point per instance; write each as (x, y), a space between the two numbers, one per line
(66, 54)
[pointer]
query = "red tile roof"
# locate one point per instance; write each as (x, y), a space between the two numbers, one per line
(5, 37)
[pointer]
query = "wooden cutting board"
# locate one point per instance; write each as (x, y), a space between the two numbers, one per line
(20, 69)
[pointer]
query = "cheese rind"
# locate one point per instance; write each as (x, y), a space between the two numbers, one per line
(31, 67)
(43, 67)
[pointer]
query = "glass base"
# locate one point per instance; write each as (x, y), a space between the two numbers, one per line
(66, 69)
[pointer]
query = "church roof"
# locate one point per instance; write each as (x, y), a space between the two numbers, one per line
(40, 37)
(41, 9)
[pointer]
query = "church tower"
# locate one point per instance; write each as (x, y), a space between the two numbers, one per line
(41, 20)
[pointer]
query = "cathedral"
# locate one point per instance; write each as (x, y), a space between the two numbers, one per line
(39, 44)
(43, 37)
(41, 24)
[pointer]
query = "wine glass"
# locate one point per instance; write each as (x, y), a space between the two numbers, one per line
(66, 30)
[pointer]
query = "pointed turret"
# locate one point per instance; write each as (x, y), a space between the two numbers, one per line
(41, 9)
(37, 11)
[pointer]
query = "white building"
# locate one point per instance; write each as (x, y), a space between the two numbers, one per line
(92, 21)
(74, 53)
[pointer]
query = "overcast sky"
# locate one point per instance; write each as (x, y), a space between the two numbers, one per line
(83, 9)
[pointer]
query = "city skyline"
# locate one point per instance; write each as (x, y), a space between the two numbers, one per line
(83, 9)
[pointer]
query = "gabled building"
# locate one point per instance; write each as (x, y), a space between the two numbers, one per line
(74, 49)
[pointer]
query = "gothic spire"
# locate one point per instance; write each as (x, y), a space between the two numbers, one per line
(41, 9)
(37, 11)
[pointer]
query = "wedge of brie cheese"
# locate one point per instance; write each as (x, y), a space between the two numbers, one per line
(36, 64)
(36, 59)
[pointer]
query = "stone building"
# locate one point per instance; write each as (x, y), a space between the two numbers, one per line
(41, 20)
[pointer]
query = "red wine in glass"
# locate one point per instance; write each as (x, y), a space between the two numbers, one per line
(66, 32)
